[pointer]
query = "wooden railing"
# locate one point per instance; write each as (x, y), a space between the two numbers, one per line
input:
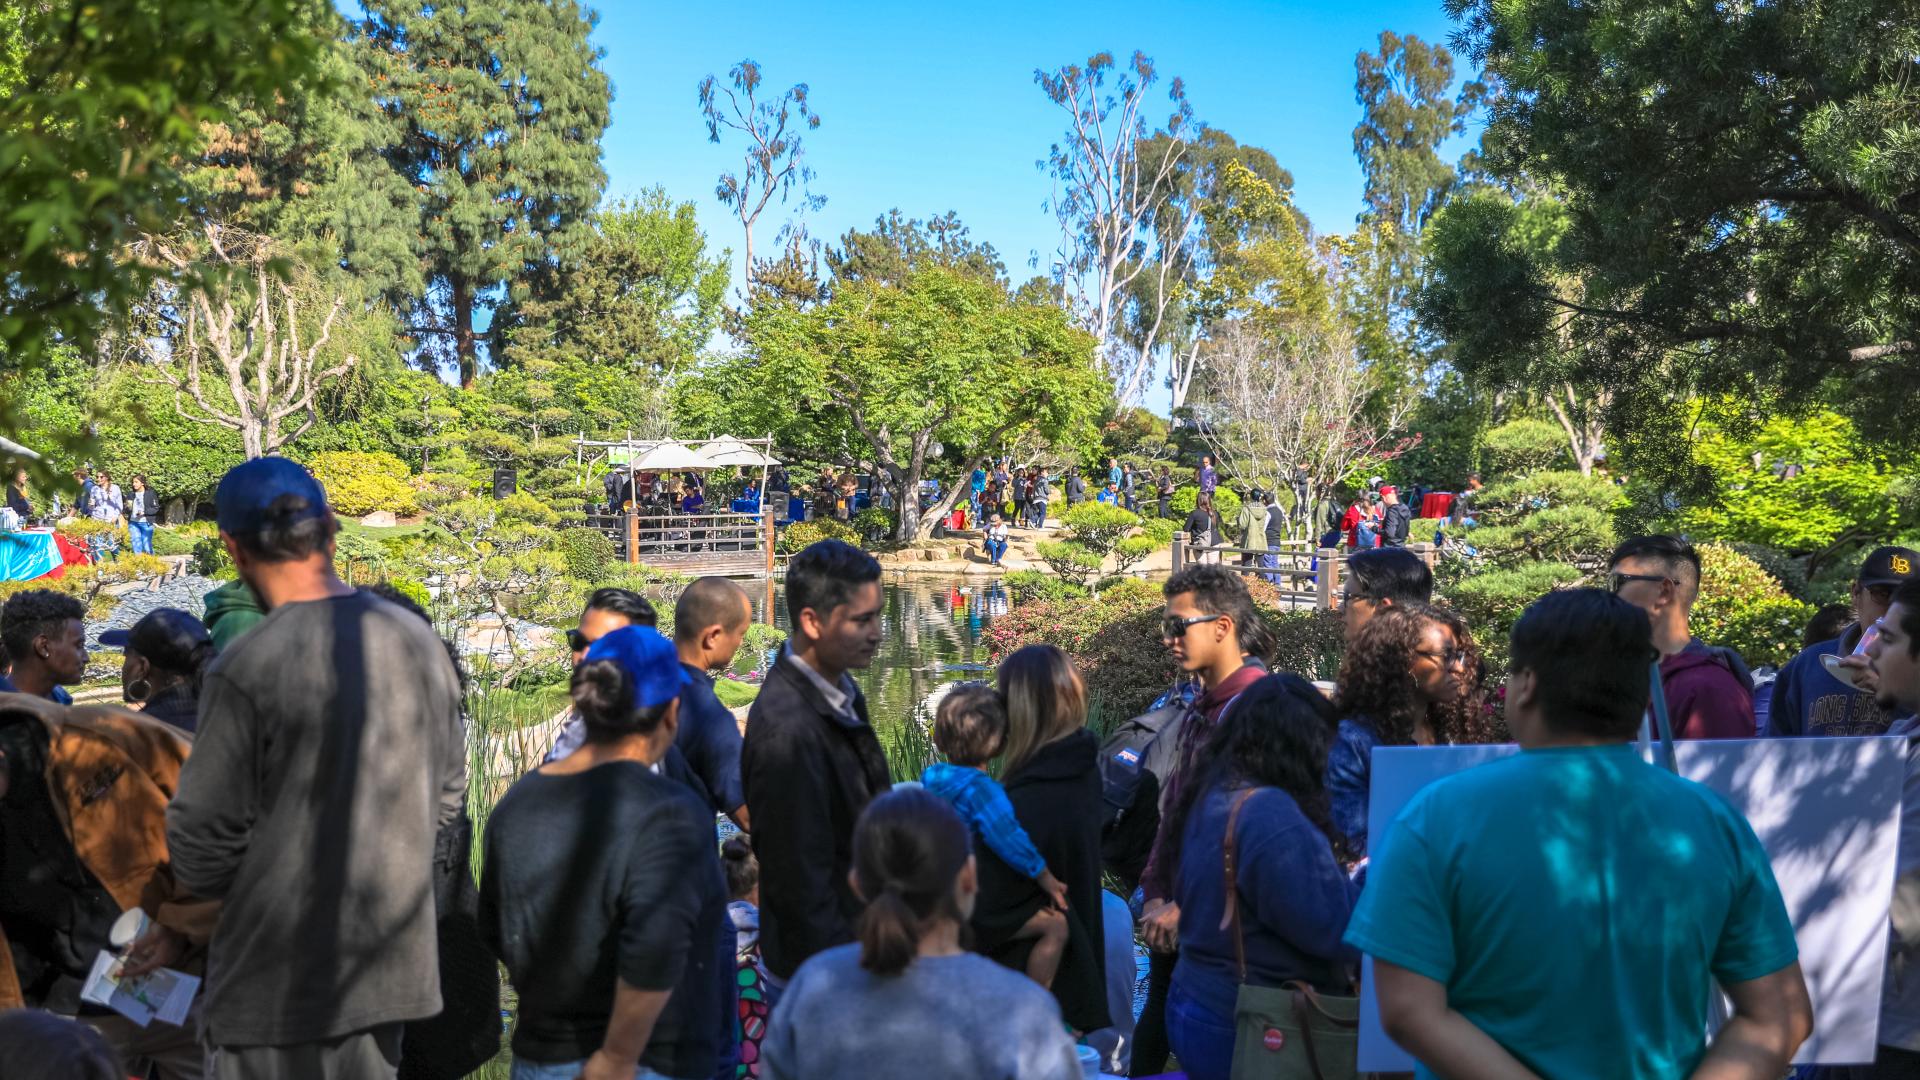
(1306, 575)
(722, 542)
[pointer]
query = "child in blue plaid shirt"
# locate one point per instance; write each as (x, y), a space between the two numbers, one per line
(970, 728)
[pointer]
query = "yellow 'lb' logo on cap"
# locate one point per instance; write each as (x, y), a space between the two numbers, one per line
(1902, 565)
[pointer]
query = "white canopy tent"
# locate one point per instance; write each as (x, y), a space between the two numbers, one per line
(672, 455)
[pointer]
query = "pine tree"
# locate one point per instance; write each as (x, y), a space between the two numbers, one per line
(495, 110)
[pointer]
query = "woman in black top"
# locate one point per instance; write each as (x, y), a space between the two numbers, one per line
(1051, 774)
(1201, 525)
(167, 650)
(17, 496)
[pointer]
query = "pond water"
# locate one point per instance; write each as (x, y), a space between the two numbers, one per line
(931, 636)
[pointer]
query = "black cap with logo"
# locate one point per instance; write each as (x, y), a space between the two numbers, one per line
(1890, 566)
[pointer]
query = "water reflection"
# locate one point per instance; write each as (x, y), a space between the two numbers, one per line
(932, 635)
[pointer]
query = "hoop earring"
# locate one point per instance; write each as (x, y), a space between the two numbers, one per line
(139, 690)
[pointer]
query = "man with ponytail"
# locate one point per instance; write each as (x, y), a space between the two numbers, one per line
(328, 756)
(908, 999)
(602, 893)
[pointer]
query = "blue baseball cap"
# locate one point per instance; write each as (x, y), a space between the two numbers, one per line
(247, 494)
(648, 658)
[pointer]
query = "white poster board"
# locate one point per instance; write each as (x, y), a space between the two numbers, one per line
(1828, 813)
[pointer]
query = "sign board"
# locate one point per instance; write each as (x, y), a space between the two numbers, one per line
(1828, 813)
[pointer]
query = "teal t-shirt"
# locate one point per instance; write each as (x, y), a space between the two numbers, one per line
(1577, 903)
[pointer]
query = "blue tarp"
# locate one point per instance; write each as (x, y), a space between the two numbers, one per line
(25, 556)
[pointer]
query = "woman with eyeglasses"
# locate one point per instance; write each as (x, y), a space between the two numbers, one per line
(1411, 677)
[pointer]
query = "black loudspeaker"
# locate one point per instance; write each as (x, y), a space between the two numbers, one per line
(505, 483)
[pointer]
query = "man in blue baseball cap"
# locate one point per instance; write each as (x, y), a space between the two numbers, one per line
(329, 753)
(601, 890)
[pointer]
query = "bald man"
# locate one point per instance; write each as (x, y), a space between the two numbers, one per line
(709, 621)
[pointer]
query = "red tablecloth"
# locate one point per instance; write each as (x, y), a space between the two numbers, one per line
(1437, 504)
(71, 554)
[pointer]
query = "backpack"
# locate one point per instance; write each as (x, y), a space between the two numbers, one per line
(1394, 525)
(1134, 762)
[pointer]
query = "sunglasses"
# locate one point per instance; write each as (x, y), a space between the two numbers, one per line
(1445, 659)
(577, 641)
(1621, 581)
(1173, 629)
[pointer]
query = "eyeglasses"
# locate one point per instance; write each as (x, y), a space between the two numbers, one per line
(1174, 628)
(1445, 659)
(1621, 581)
(1354, 598)
(577, 641)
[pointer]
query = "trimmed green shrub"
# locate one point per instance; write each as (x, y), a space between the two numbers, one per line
(733, 693)
(1490, 602)
(1225, 503)
(801, 535)
(1028, 585)
(1160, 530)
(171, 542)
(210, 559)
(1742, 607)
(874, 524)
(590, 555)
(412, 590)
(360, 483)
(1790, 572)
(1556, 534)
(1524, 446)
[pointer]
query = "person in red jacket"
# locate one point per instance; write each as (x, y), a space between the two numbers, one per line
(1708, 690)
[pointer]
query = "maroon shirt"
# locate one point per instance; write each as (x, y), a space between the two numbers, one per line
(1156, 881)
(1706, 697)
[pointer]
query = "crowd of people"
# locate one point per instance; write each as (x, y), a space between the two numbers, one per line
(290, 816)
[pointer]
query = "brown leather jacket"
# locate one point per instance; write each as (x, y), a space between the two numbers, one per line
(112, 773)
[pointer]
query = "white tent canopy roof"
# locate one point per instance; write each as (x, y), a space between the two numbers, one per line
(671, 457)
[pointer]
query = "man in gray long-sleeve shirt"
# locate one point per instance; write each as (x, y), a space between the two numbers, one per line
(329, 752)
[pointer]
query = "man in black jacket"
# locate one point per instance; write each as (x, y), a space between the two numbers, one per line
(811, 761)
(1396, 520)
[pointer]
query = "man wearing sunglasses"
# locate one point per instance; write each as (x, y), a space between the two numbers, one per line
(607, 610)
(1214, 633)
(1808, 699)
(1708, 690)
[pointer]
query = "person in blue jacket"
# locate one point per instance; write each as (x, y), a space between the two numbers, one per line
(1257, 786)
(1810, 700)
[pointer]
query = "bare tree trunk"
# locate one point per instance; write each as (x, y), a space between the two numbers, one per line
(253, 342)
(1582, 426)
(463, 329)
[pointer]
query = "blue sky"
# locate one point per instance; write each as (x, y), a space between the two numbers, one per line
(933, 107)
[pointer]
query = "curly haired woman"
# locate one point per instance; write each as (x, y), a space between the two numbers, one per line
(1411, 677)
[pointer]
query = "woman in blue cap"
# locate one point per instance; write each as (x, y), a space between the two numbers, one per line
(602, 892)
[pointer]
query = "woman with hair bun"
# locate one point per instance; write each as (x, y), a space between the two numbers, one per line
(908, 999)
(602, 891)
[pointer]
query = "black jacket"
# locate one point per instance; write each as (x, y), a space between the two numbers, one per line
(808, 772)
(1395, 522)
(1057, 798)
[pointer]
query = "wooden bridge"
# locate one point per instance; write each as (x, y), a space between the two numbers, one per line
(698, 545)
(1307, 577)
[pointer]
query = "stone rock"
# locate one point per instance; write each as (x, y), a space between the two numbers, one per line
(380, 519)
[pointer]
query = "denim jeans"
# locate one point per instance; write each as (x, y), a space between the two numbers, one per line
(570, 1070)
(996, 550)
(1203, 1041)
(1037, 513)
(142, 535)
(1271, 560)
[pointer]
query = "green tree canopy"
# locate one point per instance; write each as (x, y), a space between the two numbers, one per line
(891, 371)
(99, 105)
(1743, 197)
(492, 113)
